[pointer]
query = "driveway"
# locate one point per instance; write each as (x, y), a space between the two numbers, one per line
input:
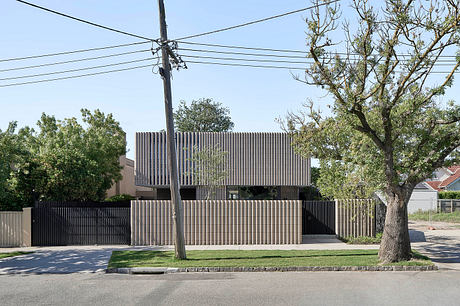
(442, 245)
(57, 261)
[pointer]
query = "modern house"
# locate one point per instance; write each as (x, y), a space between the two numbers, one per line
(259, 166)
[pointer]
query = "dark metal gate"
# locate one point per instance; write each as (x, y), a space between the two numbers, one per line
(318, 217)
(81, 224)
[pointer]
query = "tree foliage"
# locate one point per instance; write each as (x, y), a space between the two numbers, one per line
(209, 168)
(62, 160)
(388, 125)
(203, 115)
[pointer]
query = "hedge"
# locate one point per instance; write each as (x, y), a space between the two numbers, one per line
(449, 195)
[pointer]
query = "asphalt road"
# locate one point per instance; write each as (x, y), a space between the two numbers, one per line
(312, 288)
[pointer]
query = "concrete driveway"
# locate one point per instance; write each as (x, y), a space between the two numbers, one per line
(442, 245)
(57, 261)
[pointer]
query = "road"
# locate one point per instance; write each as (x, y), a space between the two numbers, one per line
(276, 288)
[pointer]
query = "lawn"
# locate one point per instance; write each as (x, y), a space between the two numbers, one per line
(11, 254)
(443, 217)
(238, 258)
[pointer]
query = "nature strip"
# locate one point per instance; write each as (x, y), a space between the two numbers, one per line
(159, 270)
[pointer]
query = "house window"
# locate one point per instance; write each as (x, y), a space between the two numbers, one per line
(252, 193)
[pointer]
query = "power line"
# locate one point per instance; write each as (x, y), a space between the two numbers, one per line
(245, 65)
(87, 22)
(278, 50)
(71, 52)
(74, 70)
(256, 21)
(76, 76)
(245, 59)
(279, 67)
(279, 56)
(74, 61)
(240, 53)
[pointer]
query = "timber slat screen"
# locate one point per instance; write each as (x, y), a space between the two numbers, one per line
(355, 218)
(318, 217)
(219, 222)
(72, 223)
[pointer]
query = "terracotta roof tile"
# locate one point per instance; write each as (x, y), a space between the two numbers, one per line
(450, 179)
(454, 168)
(434, 184)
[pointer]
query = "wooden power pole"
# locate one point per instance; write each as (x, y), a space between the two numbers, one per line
(171, 143)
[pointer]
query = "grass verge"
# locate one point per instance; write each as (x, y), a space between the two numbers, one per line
(11, 254)
(453, 217)
(363, 239)
(259, 258)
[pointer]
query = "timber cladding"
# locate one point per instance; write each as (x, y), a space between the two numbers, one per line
(355, 218)
(10, 228)
(254, 159)
(218, 222)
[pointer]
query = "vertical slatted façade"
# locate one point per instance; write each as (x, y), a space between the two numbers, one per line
(10, 228)
(219, 222)
(355, 217)
(254, 159)
(61, 223)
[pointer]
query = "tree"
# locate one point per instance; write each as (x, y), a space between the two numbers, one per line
(209, 168)
(315, 173)
(387, 117)
(203, 115)
(62, 161)
(12, 153)
(76, 163)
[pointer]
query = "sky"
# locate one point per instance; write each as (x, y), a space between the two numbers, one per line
(255, 97)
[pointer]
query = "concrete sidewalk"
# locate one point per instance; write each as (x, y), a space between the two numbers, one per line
(309, 242)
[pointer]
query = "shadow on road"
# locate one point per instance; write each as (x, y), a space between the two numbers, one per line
(66, 261)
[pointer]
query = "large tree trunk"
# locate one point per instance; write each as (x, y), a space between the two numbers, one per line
(395, 245)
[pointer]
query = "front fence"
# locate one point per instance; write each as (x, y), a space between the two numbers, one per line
(10, 228)
(448, 205)
(355, 218)
(72, 223)
(219, 222)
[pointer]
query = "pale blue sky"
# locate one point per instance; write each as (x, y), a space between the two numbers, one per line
(255, 96)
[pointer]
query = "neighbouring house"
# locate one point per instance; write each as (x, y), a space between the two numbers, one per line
(260, 166)
(445, 179)
(126, 184)
(423, 198)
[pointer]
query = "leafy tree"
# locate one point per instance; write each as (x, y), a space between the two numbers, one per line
(63, 160)
(77, 163)
(203, 115)
(387, 118)
(209, 168)
(315, 172)
(11, 153)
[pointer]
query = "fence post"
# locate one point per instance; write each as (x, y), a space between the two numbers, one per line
(27, 227)
(451, 205)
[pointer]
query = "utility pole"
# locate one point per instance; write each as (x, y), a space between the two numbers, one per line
(171, 143)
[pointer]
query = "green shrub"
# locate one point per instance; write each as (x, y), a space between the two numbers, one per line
(449, 195)
(120, 198)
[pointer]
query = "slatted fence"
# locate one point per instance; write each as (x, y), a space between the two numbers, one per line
(219, 222)
(355, 218)
(73, 223)
(10, 228)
